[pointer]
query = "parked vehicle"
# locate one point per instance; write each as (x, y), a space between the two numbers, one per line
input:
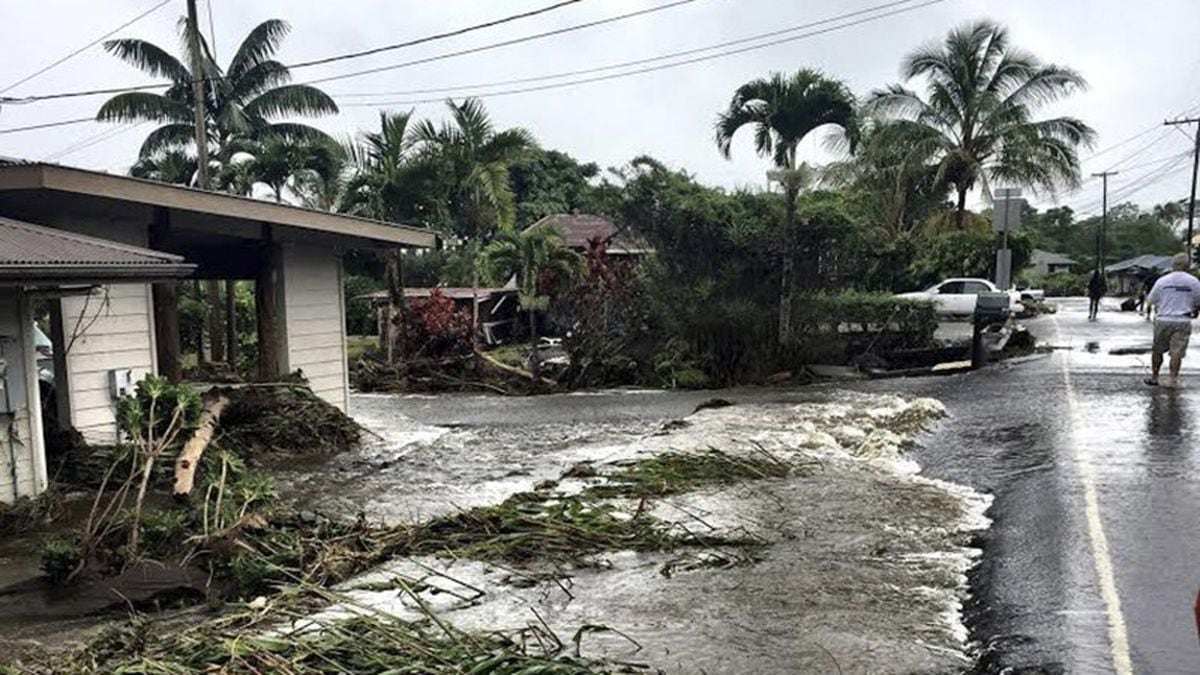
(958, 297)
(1032, 293)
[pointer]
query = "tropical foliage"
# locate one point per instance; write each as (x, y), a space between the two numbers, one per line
(245, 103)
(976, 122)
(783, 110)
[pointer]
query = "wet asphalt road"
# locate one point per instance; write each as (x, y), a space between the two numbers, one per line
(1036, 434)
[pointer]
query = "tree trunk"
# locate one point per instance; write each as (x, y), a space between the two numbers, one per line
(788, 272)
(216, 319)
(189, 457)
(397, 311)
(535, 358)
(960, 215)
(474, 303)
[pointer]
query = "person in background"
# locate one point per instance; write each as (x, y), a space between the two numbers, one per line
(1097, 287)
(1176, 297)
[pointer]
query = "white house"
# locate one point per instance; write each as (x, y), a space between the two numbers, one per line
(127, 326)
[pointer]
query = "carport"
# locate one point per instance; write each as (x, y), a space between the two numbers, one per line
(292, 255)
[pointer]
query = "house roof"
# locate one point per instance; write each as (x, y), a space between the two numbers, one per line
(17, 174)
(454, 293)
(32, 253)
(1039, 257)
(1140, 263)
(578, 230)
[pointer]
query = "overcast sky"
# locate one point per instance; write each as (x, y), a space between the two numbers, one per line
(1142, 61)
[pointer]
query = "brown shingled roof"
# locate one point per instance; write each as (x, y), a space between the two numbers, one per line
(578, 230)
(32, 253)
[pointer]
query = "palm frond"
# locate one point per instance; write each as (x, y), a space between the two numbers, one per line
(150, 58)
(258, 46)
(141, 106)
(168, 138)
(291, 99)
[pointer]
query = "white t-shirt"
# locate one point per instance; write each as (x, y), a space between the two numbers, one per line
(1176, 296)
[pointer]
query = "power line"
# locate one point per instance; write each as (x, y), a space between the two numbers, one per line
(407, 64)
(86, 47)
(678, 64)
(436, 36)
(1136, 185)
(505, 43)
(89, 141)
(626, 64)
(640, 71)
(47, 125)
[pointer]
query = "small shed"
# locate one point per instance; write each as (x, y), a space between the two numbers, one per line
(130, 324)
(497, 308)
(40, 263)
(1128, 275)
(1046, 262)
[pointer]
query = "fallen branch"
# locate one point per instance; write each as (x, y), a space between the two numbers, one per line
(511, 370)
(189, 457)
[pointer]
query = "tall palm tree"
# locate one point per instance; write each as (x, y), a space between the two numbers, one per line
(280, 163)
(242, 102)
(474, 158)
(783, 110)
(976, 121)
(529, 255)
(168, 166)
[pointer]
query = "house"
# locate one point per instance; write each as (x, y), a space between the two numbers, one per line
(1045, 262)
(1128, 275)
(579, 230)
(497, 308)
(111, 326)
(40, 263)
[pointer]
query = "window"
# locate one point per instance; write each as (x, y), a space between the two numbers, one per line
(951, 288)
(975, 288)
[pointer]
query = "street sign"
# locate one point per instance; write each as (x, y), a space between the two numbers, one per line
(1008, 205)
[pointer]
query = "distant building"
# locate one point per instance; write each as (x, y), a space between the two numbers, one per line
(1045, 262)
(1130, 274)
(579, 230)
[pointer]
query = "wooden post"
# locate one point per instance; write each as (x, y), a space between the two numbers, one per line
(216, 320)
(166, 307)
(231, 335)
(266, 292)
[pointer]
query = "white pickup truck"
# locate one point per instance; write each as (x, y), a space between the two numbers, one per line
(957, 297)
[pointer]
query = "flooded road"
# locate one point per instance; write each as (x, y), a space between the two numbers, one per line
(1072, 445)
(865, 572)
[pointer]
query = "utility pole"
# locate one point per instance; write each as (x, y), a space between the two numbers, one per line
(198, 81)
(1103, 231)
(1195, 168)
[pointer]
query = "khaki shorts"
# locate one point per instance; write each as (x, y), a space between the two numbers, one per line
(1172, 336)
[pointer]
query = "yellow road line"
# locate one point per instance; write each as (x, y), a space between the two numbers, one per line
(1118, 636)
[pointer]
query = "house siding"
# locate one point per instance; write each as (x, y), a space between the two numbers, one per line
(112, 329)
(315, 319)
(22, 464)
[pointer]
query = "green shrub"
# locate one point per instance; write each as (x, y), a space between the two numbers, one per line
(60, 555)
(836, 327)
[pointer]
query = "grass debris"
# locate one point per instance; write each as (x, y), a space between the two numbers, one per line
(254, 641)
(674, 473)
(285, 419)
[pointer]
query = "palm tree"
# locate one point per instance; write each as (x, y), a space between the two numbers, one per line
(976, 122)
(280, 163)
(168, 166)
(242, 101)
(783, 110)
(529, 256)
(474, 160)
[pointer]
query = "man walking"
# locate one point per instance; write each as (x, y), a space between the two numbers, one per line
(1176, 296)
(1097, 287)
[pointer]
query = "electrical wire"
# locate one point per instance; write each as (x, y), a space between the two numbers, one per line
(47, 125)
(430, 59)
(437, 36)
(678, 64)
(624, 64)
(86, 47)
(89, 141)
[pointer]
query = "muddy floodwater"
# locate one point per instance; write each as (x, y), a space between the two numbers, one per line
(866, 565)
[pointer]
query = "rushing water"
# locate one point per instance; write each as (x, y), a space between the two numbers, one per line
(867, 563)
